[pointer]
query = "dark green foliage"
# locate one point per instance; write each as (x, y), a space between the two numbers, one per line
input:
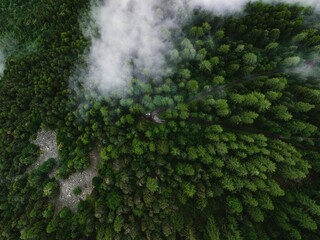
(237, 156)
(76, 191)
(114, 200)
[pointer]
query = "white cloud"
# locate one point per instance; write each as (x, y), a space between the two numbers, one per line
(131, 34)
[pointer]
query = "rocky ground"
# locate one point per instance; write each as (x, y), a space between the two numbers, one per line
(81, 179)
(46, 140)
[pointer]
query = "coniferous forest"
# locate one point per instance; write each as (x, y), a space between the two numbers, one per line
(235, 157)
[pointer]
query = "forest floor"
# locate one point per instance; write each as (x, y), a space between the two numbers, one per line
(47, 142)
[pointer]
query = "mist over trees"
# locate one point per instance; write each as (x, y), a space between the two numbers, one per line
(236, 158)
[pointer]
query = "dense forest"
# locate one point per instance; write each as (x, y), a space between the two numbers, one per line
(236, 157)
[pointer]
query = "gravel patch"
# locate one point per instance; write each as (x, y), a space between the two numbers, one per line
(46, 140)
(81, 179)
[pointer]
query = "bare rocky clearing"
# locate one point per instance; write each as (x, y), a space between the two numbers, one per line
(46, 140)
(81, 179)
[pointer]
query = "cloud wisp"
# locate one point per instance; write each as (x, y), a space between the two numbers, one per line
(133, 37)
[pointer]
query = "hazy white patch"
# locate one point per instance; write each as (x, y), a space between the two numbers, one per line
(46, 140)
(132, 38)
(232, 6)
(81, 179)
(220, 7)
(312, 3)
(303, 70)
(2, 62)
(308, 68)
(129, 36)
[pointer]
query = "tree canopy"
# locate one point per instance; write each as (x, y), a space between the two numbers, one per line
(236, 158)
